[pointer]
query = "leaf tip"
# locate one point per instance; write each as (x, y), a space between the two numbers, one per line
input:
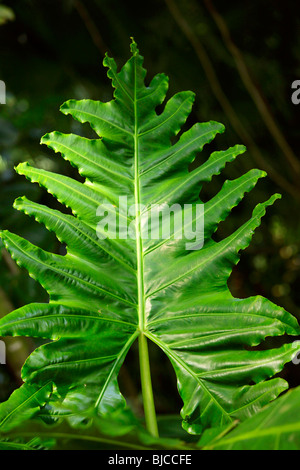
(263, 174)
(3, 235)
(221, 128)
(133, 46)
(274, 198)
(45, 138)
(65, 107)
(18, 202)
(20, 167)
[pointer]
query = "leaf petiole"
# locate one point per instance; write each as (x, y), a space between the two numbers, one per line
(147, 392)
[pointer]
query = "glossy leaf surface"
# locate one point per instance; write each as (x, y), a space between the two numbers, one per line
(106, 292)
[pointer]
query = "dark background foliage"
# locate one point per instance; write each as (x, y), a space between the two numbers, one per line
(239, 58)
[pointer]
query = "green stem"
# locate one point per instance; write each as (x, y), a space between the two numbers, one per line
(147, 392)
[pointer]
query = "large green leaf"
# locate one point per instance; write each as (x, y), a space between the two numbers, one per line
(107, 292)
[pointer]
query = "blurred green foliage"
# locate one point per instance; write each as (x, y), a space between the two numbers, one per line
(51, 51)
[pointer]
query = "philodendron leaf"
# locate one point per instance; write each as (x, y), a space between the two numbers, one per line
(276, 427)
(109, 291)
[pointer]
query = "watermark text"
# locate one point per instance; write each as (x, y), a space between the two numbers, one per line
(152, 222)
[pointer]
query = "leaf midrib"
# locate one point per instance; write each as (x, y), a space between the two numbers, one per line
(137, 199)
(120, 357)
